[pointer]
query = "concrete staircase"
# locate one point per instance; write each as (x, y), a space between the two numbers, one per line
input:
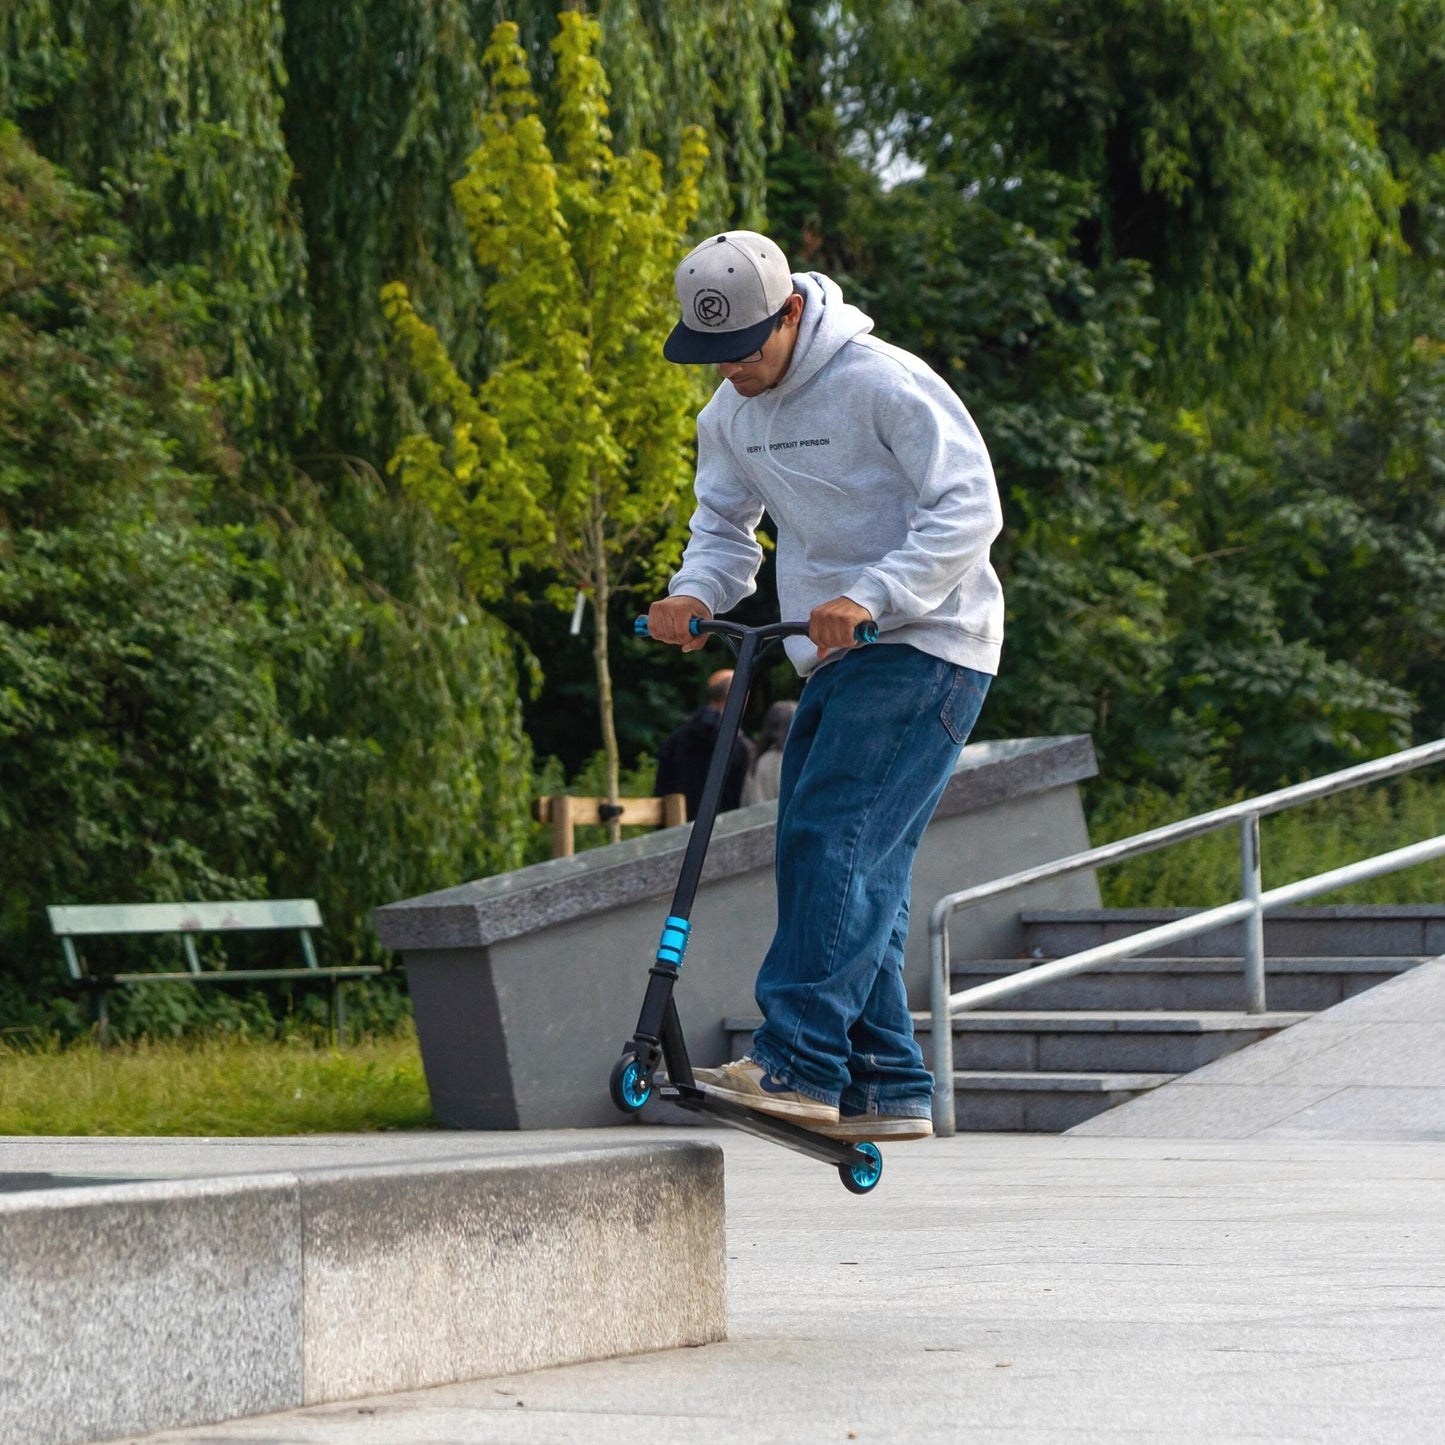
(1066, 1051)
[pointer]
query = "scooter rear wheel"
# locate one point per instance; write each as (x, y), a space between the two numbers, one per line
(629, 1091)
(862, 1178)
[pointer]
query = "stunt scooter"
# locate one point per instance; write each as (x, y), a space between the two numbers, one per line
(659, 1033)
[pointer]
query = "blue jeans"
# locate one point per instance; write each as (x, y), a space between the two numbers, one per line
(872, 746)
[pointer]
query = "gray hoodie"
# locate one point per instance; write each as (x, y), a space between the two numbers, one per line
(878, 481)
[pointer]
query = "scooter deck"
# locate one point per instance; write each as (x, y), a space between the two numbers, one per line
(765, 1126)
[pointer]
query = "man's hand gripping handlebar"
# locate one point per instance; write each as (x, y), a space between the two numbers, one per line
(683, 621)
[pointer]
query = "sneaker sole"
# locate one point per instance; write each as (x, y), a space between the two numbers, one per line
(816, 1115)
(896, 1131)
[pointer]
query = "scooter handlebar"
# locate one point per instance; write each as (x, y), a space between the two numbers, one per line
(863, 633)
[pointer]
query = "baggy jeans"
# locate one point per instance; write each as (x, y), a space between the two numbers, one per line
(872, 746)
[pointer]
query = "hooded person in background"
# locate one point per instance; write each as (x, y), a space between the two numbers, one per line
(683, 758)
(885, 505)
(765, 777)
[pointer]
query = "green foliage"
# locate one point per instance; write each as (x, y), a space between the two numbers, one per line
(204, 694)
(1083, 214)
(720, 67)
(574, 449)
(175, 112)
(1204, 872)
(378, 121)
(380, 118)
(143, 751)
(1231, 149)
(572, 456)
(415, 771)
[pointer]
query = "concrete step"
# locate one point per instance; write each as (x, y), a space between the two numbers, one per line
(1143, 1042)
(1293, 984)
(408, 1261)
(999, 1101)
(1149, 1042)
(1416, 930)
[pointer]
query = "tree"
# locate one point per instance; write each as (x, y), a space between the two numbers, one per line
(1154, 245)
(141, 748)
(1230, 148)
(175, 112)
(406, 767)
(573, 453)
(380, 118)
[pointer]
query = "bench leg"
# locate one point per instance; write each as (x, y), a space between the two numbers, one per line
(102, 1017)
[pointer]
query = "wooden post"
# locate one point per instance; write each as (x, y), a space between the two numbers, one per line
(566, 814)
(562, 843)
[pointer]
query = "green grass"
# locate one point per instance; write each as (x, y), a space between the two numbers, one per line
(1293, 845)
(215, 1087)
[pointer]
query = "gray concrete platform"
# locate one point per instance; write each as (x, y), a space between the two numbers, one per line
(1014, 1289)
(158, 1283)
(1372, 1067)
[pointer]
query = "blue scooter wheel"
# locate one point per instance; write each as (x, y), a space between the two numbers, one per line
(630, 1089)
(861, 1178)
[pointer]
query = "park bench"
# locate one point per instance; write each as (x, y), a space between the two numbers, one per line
(70, 922)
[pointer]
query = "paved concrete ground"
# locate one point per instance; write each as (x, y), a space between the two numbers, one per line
(1014, 1288)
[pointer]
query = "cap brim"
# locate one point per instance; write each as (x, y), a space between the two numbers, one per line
(707, 348)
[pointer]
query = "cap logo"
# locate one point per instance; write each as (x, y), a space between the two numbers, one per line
(711, 308)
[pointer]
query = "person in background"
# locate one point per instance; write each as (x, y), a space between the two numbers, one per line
(683, 759)
(765, 776)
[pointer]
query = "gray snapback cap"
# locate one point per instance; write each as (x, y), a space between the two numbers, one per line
(730, 288)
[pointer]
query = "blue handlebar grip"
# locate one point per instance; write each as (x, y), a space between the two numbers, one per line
(692, 625)
(866, 632)
(639, 627)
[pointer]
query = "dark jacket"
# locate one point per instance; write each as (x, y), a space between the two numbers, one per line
(683, 760)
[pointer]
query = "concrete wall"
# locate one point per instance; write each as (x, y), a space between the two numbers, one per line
(128, 1308)
(526, 986)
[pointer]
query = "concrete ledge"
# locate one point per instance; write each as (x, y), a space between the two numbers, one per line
(525, 986)
(511, 905)
(1368, 1068)
(127, 1308)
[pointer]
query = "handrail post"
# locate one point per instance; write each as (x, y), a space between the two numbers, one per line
(1251, 877)
(943, 1116)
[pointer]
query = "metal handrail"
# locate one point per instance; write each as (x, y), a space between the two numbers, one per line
(1250, 908)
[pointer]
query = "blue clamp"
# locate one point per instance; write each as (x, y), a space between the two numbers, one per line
(639, 627)
(674, 941)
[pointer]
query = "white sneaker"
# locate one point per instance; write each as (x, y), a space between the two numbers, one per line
(896, 1128)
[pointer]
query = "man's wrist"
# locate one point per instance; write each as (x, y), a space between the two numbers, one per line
(698, 591)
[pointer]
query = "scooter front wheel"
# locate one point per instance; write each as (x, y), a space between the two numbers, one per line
(631, 1089)
(861, 1178)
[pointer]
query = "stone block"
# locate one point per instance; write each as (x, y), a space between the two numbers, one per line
(127, 1309)
(527, 986)
(1384, 1114)
(1221, 1111)
(1389, 1054)
(136, 1307)
(417, 1276)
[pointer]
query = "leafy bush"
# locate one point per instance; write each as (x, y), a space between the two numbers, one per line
(141, 749)
(205, 692)
(1298, 844)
